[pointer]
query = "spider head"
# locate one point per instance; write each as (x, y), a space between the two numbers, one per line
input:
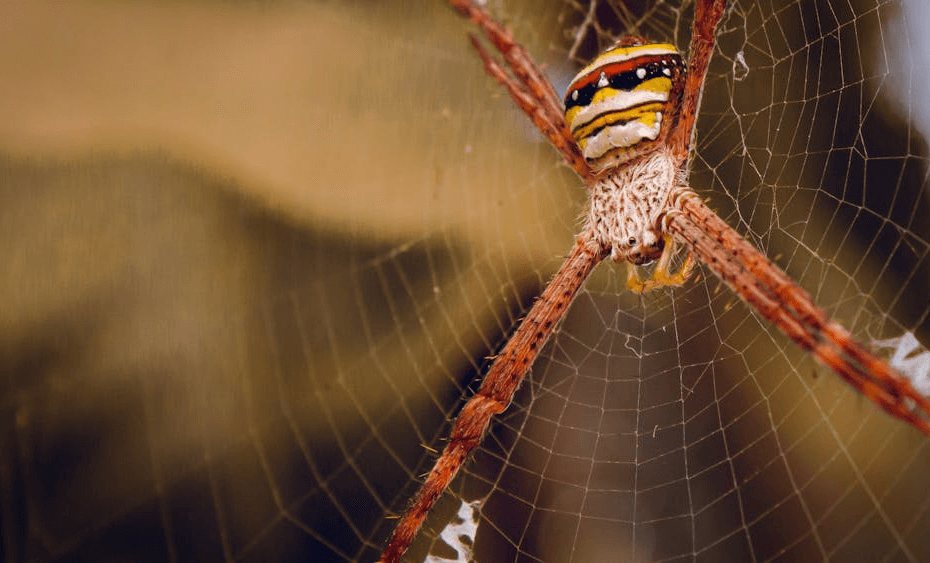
(644, 248)
(620, 106)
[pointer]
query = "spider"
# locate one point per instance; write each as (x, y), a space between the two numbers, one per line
(626, 128)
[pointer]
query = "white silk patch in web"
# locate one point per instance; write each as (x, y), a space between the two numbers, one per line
(464, 527)
(909, 357)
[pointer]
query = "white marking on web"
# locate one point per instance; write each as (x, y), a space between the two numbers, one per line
(910, 358)
(465, 526)
(618, 102)
(740, 67)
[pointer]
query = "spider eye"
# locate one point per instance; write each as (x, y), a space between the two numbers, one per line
(632, 241)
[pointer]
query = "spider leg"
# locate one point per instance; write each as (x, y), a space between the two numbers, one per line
(554, 131)
(707, 14)
(497, 390)
(661, 276)
(761, 284)
(515, 55)
(528, 86)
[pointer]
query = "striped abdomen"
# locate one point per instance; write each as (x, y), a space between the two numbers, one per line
(620, 105)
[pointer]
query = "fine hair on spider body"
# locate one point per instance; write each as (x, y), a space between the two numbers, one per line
(627, 207)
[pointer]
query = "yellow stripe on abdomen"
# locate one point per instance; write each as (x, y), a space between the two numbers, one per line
(645, 113)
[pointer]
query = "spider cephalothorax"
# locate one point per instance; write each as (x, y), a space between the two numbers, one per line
(627, 204)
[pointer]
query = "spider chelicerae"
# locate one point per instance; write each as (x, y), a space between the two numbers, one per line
(626, 128)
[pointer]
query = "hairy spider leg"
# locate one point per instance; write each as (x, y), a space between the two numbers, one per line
(516, 57)
(553, 129)
(535, 96)
(764, 286)
(707, 14)
(528, 86)
(496, 392)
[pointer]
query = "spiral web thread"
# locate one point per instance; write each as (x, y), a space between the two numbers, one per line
(661, 463)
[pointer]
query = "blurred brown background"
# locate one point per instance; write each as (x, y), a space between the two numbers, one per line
(257, 252)
(196, 202)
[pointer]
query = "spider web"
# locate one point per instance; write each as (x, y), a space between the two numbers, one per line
(244, 298)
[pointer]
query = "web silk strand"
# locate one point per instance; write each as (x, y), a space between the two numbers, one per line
(499, 385)
(771, 292)
(753, 277)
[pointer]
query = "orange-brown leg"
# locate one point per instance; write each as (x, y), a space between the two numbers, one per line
(661, 275)
(527, 85)
(501, 382)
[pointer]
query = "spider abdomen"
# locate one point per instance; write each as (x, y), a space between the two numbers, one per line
(618, 107)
